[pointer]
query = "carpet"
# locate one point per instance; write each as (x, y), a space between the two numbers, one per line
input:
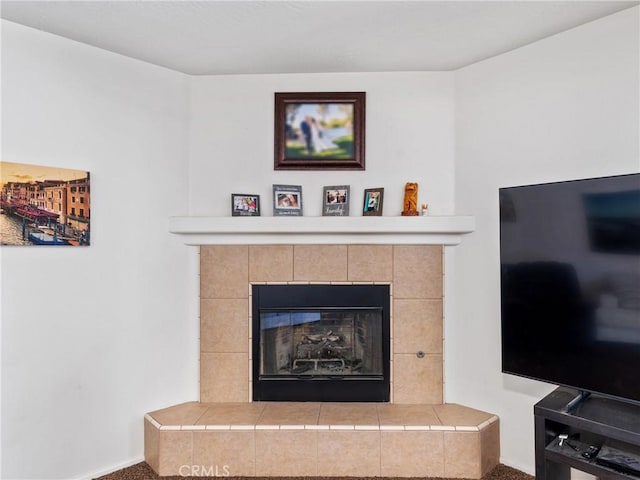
(142, 471)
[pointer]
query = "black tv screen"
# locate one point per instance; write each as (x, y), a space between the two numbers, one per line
(570, 283)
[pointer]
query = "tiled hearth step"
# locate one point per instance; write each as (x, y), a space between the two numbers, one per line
(321, 439)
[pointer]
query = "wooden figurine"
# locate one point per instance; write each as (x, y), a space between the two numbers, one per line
(410, 200)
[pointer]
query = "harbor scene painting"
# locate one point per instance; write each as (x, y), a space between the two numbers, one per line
(44, 205)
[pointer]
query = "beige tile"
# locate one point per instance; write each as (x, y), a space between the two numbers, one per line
(230, 452)
(348, 454)
(348, 414)
(286, 453)
(290, 413)
(370, 263)
(176, 450)
(151, 445)
(237, 413)
(224, 377)
(490, 444)
(398, 414)
(417, 271)
(224, 271)
(417, 380)
(320, 263)
(182, 414)
(412, 454)
(271, 263)
(224, 325)
(462, 457)
(458, 415)
(417, 325)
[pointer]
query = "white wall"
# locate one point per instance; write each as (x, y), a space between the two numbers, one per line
(562, 108)
(95, 337)
(409, 123)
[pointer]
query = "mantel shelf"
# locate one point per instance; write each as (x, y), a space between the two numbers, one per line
(434, 230)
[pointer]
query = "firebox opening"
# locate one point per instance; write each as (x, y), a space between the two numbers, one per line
(321, 342)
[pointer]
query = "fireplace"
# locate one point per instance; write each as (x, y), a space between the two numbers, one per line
(388, 439)
(321, 343)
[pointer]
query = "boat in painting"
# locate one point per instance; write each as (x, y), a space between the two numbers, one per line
(42, 238)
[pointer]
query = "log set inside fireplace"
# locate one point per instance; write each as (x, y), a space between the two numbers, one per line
(321, 343)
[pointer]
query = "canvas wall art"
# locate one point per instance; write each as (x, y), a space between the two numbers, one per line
(44, 205)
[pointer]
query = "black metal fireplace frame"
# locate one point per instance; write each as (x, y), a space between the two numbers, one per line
(361, 388)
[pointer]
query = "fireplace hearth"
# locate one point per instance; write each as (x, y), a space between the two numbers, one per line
(321, 343)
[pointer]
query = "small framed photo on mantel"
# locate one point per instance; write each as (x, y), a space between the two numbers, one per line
(335, 200)
(287, 200)
(243, 205)
(373, 198)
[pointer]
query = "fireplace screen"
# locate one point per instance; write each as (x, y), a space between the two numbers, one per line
(321, 342)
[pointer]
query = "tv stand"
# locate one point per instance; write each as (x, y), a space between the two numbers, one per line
(585, 420)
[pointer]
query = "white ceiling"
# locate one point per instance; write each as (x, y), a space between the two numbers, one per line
(250, 37)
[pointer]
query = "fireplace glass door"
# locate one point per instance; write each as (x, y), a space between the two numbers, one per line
(322, 342)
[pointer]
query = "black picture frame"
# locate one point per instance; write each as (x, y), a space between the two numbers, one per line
(245, 205)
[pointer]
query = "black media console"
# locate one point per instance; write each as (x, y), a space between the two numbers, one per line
(565, 429)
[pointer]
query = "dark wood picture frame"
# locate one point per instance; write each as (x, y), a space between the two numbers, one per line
(373, 201)
(333, 137)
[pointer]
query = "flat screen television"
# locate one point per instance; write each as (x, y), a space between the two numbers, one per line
(570, 283)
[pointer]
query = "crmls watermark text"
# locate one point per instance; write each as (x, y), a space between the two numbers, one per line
(204, 471)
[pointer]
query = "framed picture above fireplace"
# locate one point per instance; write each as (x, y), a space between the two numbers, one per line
(319, 131)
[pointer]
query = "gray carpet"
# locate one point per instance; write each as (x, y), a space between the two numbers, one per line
(142, 471)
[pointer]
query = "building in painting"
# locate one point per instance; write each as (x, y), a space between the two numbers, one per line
(78, 204)
(53, 199)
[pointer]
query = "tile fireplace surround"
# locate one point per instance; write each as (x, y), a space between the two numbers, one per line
(415, 435)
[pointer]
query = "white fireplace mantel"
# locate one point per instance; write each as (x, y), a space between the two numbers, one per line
(429, 230)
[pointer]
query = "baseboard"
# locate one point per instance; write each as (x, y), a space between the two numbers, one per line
(522, 468)
(112, 469)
